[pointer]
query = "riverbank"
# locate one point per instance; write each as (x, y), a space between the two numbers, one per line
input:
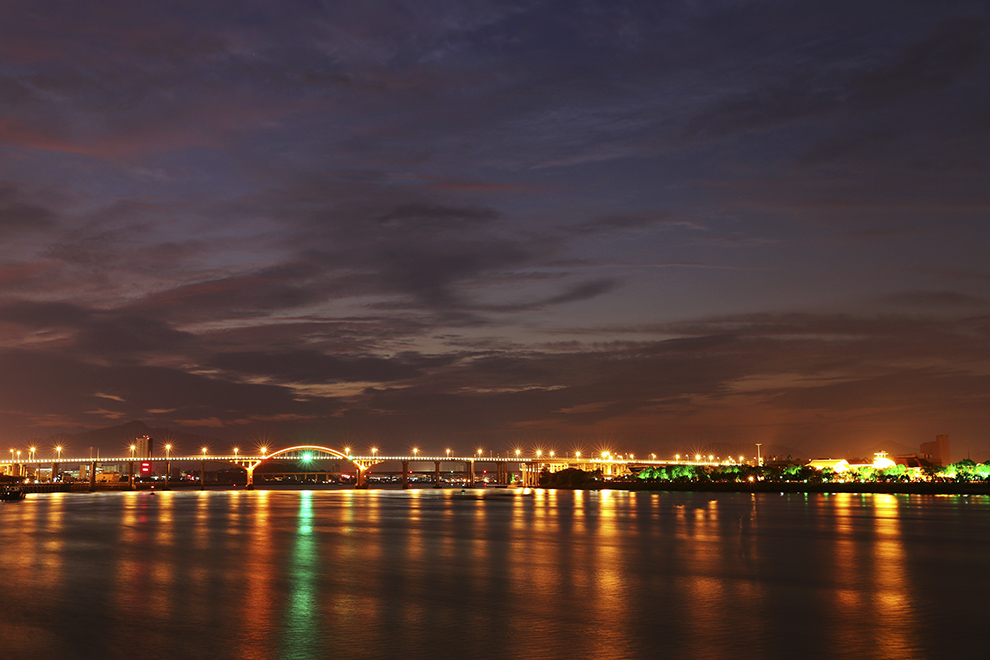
(906, 488)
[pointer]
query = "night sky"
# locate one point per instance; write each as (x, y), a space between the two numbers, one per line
(648, 226)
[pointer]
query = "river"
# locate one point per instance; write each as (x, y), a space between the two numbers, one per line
(493, 574)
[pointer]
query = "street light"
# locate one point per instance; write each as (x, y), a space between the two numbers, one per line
(551, 453)
(236, 450)
(374, 451)
(415, 451)
(204, 451)
(518, 451)
(448, 453)
(133, 448)
(347, 450)
(577, 454)
(264, 451)
(539, 453)
(32, 453)
(479, 453)
(58, 451)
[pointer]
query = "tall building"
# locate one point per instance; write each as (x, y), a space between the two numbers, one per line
(936, 453)
(145, 446)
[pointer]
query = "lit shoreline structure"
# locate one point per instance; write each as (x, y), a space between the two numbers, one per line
(931, 454)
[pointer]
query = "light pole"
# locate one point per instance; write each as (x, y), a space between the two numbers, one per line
(202, 471)
(448, 453)
(168, 463)
(374, 451)
(759, 456)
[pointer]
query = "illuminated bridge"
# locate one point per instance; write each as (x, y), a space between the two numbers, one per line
(305, 459)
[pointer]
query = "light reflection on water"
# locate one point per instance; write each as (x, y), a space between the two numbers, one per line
(452, 574)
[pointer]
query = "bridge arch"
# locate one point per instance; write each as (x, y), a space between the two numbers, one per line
(359, 469)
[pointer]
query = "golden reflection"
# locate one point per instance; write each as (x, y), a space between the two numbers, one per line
(894, 609)
(258, 577)
(50, 560)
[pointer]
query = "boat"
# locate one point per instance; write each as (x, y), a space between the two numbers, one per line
(11, 493)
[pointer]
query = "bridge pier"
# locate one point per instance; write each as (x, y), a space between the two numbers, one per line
(202, 474)
(469, 473)
(131, 480)
(250, 478)
(361, 477)
(168, 471)
(405, 474)
(436, 474)
(92, 476)
(55, 468)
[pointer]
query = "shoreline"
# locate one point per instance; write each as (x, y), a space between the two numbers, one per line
(898, 488)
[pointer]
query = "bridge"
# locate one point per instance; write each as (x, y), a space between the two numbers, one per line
(529, 468)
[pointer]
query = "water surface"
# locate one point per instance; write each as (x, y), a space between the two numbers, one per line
(446, 574)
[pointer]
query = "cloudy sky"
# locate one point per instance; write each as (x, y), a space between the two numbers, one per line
(645, 225)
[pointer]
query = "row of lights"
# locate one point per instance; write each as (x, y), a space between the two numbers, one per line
(606, 455)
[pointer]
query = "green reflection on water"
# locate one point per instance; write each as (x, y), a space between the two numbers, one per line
(302, 624)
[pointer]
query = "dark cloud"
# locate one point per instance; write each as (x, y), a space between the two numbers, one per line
(926, 66)
(933, 300)
(19, 213)
(312, 367)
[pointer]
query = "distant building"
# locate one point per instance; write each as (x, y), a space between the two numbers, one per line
(880, 462)
(936, 453)
(144, 446)
(834, 464)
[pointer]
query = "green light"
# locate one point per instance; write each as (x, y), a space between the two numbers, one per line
(307, 457)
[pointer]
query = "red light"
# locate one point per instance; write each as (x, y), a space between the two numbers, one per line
(145, 468)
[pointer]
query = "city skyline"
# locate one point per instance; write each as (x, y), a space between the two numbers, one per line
(605, 224)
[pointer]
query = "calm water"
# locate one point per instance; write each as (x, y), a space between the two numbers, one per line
(441, 574)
